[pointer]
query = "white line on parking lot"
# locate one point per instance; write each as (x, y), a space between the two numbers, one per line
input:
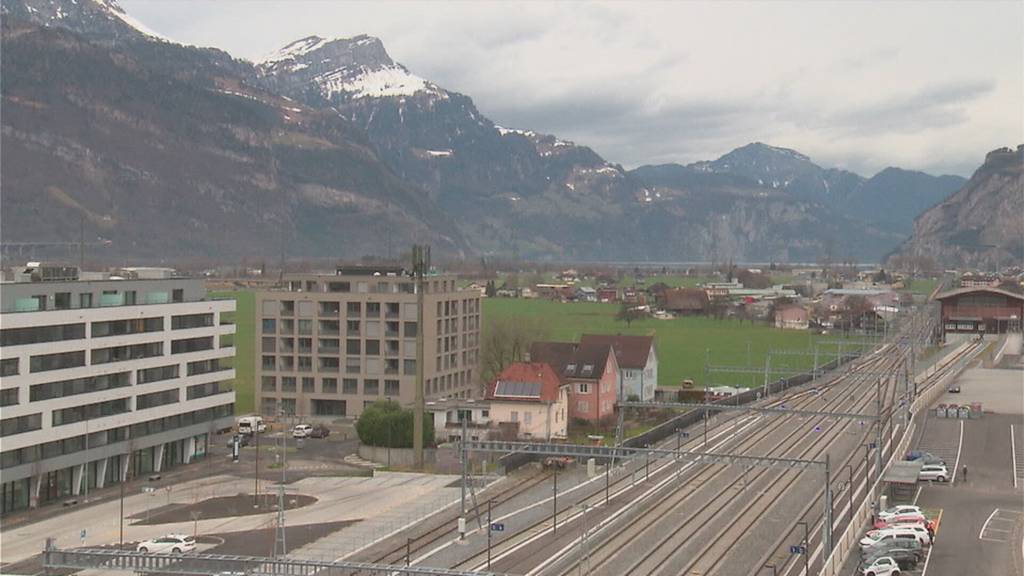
(1013, 456)
(989, 519)
(952, 479)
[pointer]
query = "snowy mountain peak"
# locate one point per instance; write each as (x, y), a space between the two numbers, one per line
(95, 18)
(357, 67)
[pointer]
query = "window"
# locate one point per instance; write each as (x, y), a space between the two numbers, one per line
(122, 327)
(188, 321)
(288, 406)
(350, 386)
(204, 367)
(178, 295)
(352, 347)
(391, 310)
(89, 411)
(154, 399)
(287, 364)
(287, 308)
(305, 345)
(305, 326)
(269, 344)
(268, 384)
(9, 397)
(305, 309)
(305, 364)
(208, 389)
(373, 329)
(328, 346)
(269, 363)
(269, 325)
(308, 384)
(58, 361)
(371, 387)
(287, 326)
(583, 388)
(85, 300)
(328, 364)
(409, 367)
(373, 347)
(515, 416)
(157, 374)
(288, 384)
(352, 365)
(339, 287)
(528, 418)
(329, 327)
(329, 385)
(352, 327)
(287, 345)
(373, 309)
(9, 367)
(39, 334)
(391, 388)
(191, 345)
(20, 424)
(354, 309)
(583, 406)
(129, 298)
(409, 329)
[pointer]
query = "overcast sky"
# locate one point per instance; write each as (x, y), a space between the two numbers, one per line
(858, 85)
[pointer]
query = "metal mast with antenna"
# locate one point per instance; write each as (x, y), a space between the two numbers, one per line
(420, 266)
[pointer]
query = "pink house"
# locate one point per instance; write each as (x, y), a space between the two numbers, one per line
(591, 372)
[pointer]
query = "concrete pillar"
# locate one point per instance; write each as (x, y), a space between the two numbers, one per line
(125, 466)
(158, 457)
(35, 485)
(190, 449)
(101, 472)
(77, 475)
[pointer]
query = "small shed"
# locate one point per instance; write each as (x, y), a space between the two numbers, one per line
(901, 480)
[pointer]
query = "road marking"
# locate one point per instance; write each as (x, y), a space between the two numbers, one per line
(938, 522)
(1013, 456)
(918, 495)
(958, 448)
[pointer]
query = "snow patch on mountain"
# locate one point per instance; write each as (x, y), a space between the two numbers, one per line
(388, 81)
(295, 49)
(115, 9)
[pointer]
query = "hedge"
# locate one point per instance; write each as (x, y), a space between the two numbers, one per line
(385, 419)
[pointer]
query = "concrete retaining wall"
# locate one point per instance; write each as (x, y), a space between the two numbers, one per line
(399, 456)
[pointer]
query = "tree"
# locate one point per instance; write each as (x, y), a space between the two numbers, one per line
(627, 313)
(490, 291)
(507, 340)
(386, 423)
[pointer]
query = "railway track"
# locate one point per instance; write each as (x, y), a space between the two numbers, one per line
(778, 554)
(711, 498)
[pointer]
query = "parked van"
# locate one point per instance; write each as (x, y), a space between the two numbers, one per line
(248, 424)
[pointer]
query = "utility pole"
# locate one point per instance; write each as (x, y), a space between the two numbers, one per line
(420, 266)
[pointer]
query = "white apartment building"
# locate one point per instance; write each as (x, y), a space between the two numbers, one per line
(107, 379)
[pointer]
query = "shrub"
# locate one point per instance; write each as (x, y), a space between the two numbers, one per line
(385, 420)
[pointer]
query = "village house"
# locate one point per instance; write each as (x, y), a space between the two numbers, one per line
(590, 370)
(685, 301)
(792, 317)
(450, 413)
(637, 362)
(530, 401)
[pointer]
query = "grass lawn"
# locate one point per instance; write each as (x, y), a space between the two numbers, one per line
(682, 343)
(923, 286)
(244, 348)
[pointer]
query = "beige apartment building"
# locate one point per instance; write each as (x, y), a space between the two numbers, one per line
(331, 344)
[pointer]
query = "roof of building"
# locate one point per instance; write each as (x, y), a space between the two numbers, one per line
(525, 382)
(570, 360)
(694, 299)
(969, 290)
(630, 351)
(903, 472)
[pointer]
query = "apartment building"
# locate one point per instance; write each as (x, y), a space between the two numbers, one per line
(331, 344)
(106, 379)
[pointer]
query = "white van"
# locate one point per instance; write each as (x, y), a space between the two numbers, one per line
(247, 424)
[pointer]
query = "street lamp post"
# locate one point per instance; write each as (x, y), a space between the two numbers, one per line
(850, 468)
(489, 503)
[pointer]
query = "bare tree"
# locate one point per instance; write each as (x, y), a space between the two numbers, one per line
(627, 313)
(507, 340)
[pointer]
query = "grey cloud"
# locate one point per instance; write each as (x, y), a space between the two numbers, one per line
(932, 107)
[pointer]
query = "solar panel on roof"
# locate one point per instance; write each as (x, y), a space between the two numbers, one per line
(516, 389)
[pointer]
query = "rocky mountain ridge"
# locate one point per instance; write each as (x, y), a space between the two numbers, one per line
(448, 173)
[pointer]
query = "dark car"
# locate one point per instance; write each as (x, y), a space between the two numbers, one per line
(955, 389)
(320, 431)
(906, 559)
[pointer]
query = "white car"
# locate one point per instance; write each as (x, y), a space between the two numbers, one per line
(884, 566)
(302, 431)
(900, 510)
(900, 533)
(936, 472)
(175, 543)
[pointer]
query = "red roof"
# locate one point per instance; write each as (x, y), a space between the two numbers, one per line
(631, 352)
(535, 375)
